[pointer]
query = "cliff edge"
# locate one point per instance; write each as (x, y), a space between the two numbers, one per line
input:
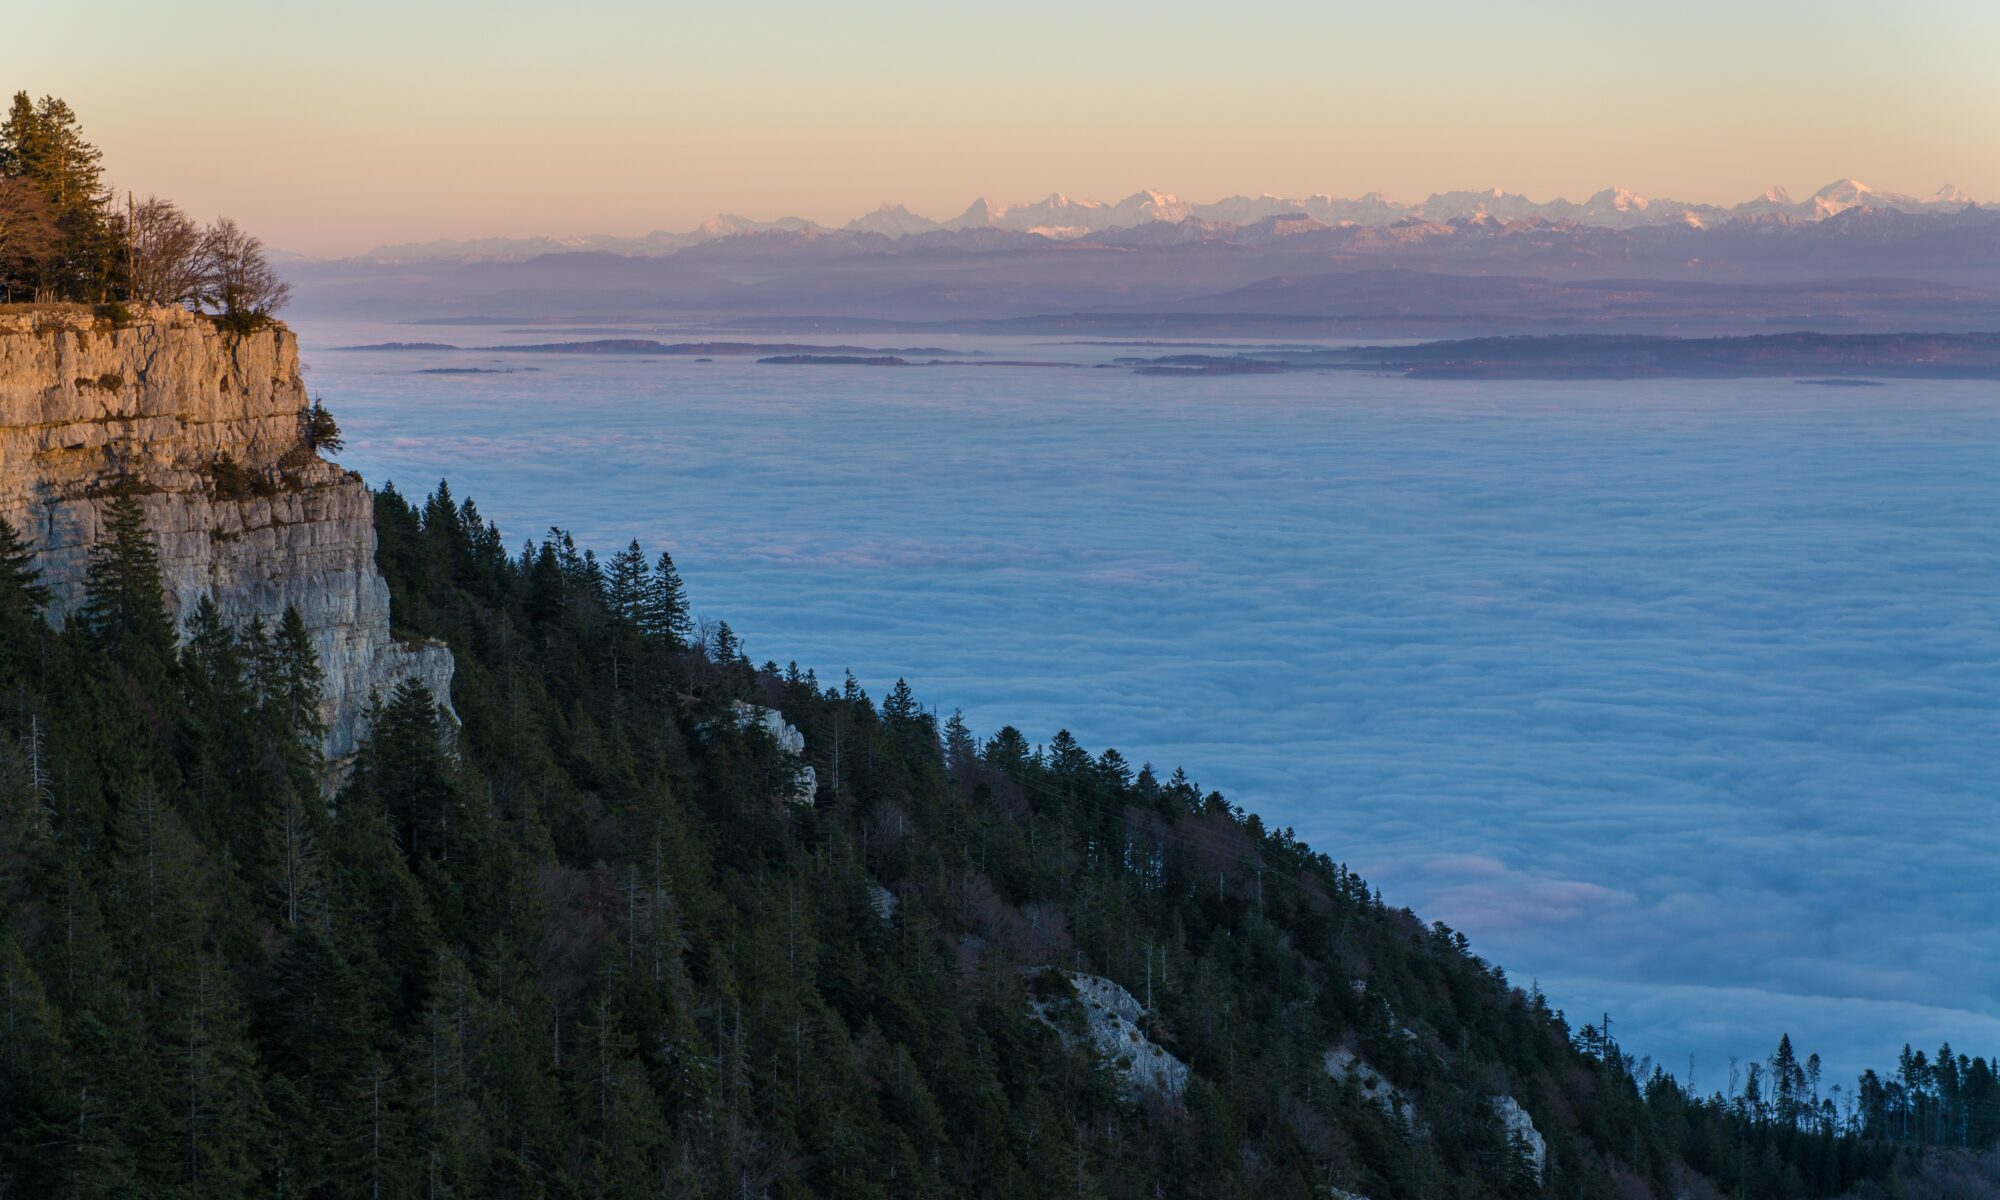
(206, 426)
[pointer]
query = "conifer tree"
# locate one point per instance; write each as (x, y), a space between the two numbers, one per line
(124, 607)
(665, 611)
(626, 584)
(295, 867)
(22, 596)
(959, 747)
(292, 687)
(35, 1070)
(43, 142)
(21, 592)
(409, 776)
(218, 696)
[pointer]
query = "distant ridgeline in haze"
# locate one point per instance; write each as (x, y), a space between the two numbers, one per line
(1287, 275)
(1063, 217)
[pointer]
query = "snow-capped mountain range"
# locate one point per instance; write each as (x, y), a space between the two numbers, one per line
(1064, 218)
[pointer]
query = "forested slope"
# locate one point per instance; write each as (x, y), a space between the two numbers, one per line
(585, 941)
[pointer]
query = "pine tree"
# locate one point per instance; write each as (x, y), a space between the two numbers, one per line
(959, 747)
(21, 592)
(409, 775)
(626, 584)
(665, 612)
(22, 596)
(124, 607)
(20, 138)
(295, 868)
(35, 1077)
(44, 143)
(293, 687)
(217, 699)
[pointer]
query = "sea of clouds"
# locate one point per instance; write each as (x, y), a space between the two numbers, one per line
(1681, 698)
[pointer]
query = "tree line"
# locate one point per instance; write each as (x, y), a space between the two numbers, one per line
(65, 237)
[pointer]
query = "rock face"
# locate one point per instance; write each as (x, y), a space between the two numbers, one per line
(1522, 1132)
(1343, 1064)
(154, 405)
(1111, 1017)
(805, 780)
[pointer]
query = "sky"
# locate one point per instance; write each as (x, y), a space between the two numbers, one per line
(331, 128)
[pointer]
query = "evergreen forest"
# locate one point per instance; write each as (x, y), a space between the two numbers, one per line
(575, 931)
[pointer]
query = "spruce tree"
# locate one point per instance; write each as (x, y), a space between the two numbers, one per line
(21, 591)
(293, 687)
(666, 609)
(627, 584)
(409, 774)
(43, 142)
(124, 607)
(215, 735)
(22, 597)
(20, 138)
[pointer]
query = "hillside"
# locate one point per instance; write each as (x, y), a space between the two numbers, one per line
(608, 938)
(623, 914)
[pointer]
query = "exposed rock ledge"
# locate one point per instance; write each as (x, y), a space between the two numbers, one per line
(153, 404)
(1110, 1020)
(1521, 1132)
(1344, 1064)
(805, 780)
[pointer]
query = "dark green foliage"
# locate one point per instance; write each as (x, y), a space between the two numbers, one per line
(232, 482)
(322, 433)
(22, 596)
(64, 238)
(124, 608)
(42, 143)
(579, 942)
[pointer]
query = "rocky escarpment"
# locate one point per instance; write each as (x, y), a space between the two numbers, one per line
(1098, 1011)
(205, 427)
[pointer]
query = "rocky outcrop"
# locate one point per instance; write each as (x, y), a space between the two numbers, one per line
(805, 780)
(1521, 1132)
(205, 427)
(1110, 1020)
(1344, 1064)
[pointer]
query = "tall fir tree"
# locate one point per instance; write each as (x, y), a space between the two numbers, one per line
(23, 598)
(124, 607)
(43, 142)
(627, 584)
(665, 611)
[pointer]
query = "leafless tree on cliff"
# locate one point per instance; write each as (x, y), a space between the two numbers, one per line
(237, 279)
(28, 234)
(167, 254)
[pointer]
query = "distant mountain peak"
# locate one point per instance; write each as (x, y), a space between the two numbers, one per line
(892, 220)
(1848, 190)
(1064, 217)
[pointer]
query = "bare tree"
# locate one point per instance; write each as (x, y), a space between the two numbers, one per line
(28, 235)
(167, 252)
(237, 279)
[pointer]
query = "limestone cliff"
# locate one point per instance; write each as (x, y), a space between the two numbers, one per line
(157, 404)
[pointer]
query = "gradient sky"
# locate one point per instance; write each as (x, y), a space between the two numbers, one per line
(330, 128)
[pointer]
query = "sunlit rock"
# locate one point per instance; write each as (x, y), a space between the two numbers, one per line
(155, 406)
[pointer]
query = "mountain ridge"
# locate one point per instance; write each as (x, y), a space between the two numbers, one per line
(1059, 216)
